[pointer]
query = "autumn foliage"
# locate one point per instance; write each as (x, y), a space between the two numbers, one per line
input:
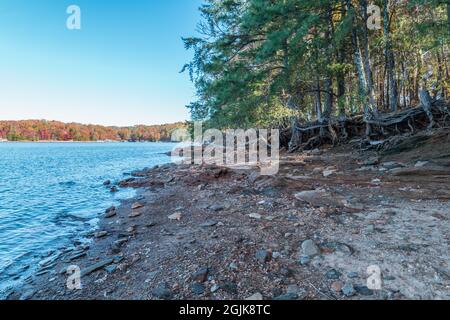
(43, 130)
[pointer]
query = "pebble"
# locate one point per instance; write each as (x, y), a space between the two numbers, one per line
(287, 297)
(136, 205)
(363, 290)
(175, 216)
(208, 224)
(348, 290)
(198, 288)
(309, 248)
(256, 216)
(337, 286)
(100, 234)
(353, 275)
(215, 288)
(201, 275)
(255, 297)
(333, 274)
(276, 255)
(135, 214)
(304, 260)
(113, 189)
(263, 256)
(162, 292)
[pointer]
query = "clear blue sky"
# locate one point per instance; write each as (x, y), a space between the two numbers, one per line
(121, 68)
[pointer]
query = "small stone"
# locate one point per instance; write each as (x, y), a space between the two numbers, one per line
(353, 275)
(304, 260)
(217, 208)
(333, 274)
(175, 216)
(100, 234)
(256, 216)
(110, 212)
(110, 269)
(263, 256)
(135, 214)
(328, 173)
(208, 224)
(113, 189)
(421, 164)
(229, 287)
(255, 297)
(233, 266)
(348, 290)
(107, 182)
(162, 292)
(215, 288)
(201, 275)
(198, 288)
(287, 297)
(363, 290)
(136, 205)
(276, 255)
(337, 286)
(309, 248)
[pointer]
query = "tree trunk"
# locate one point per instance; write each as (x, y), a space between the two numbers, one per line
(425, 101)
(367, 65)
(390, 60)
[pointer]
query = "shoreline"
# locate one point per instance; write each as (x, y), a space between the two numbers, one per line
(309, 232)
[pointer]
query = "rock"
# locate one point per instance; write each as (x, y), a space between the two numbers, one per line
(320, 198)
(217, 207)
(371, 161)
(294, 289)
(353, 275)
(136, 205)
(229, 287)
(421, 164)
(256, 216)
(392, 165)
(348, 290)
(263, 256)
(215, 288)
(327, 173)
(198, 288)
(162, 292)
(110, 212)
(27, 295)
(107, 182)
(113, 189)
(100, 234)
(201, 275)
(276, 255)
(337, 286)
(317, 170)
(95, 267)
(333, 274)
(287, 297)
(309, 248)
(120, 242)
(111, 269)
(208, 224)
(175, 216)
(255, 297)
(233, 266)
(304, 260)
(135, 214)
(363, 290)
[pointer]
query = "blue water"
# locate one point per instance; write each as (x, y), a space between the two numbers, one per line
(53, 193)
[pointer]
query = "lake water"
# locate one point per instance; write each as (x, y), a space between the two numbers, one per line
(51, 193)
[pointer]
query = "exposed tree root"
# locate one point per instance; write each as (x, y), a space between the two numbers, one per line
(409, 121)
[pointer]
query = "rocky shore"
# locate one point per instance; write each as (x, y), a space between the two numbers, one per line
(309, 232)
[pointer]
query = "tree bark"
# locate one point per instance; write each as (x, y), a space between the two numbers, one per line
(390, 60)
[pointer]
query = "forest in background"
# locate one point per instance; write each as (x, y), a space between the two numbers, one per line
(310, 66)
(43, 130)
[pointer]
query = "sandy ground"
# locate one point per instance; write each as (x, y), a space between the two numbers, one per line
(309, 232)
